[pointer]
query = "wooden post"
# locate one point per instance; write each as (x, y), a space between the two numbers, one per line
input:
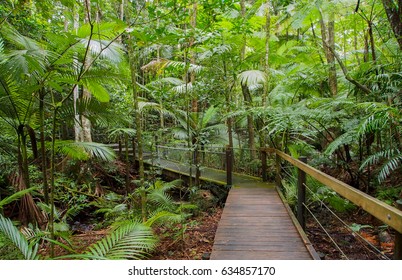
(229, 166)
(278, 178)
(264, 164)
(301, 194)
(398, 238)
(120, 148)
(156, 146)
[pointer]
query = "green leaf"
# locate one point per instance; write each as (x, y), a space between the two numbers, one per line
(252, 77)
(28, 250)
(97, 90)
(16, 196)
(131, 241)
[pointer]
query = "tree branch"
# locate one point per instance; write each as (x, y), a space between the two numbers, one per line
(345, 71)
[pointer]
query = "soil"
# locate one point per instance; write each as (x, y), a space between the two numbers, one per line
(364, 237)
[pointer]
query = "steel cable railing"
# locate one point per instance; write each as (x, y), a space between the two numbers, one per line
(361, 239)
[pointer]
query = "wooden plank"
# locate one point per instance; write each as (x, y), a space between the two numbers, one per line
(258, 255)
(382, 211)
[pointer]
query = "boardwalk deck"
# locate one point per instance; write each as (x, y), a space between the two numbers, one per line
(255, 223)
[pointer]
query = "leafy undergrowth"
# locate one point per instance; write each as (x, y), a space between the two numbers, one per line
(194, 239)
(196, 242)
(191, 241)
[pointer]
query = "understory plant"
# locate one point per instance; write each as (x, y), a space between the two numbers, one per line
(131, 240)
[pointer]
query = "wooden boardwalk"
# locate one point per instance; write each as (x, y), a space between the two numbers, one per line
(256, 224)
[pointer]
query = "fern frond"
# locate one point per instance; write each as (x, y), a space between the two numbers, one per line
(392, 160)
(344, 139)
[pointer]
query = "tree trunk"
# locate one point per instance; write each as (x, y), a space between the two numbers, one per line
(394, 14)
(193, 23)
(328, 39)
(246, 92)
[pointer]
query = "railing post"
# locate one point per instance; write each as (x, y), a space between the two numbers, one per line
(278, 179)
(229, 166)
(398, 238)
(156, 145)
(120, 148)
(301, 194)
(264, 164)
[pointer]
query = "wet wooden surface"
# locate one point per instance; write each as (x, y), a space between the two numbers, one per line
(256, 225)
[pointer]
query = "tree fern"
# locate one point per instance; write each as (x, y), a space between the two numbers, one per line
(28, 250)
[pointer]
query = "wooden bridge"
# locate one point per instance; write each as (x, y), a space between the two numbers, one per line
(256, 222)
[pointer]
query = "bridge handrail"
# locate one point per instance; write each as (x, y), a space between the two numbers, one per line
(382, 211)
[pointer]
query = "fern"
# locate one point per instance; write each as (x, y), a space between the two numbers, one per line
(346, 138)
(28, 250)
(392, 160)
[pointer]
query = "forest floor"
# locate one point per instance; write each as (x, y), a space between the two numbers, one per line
(194, 240)
(359, 237)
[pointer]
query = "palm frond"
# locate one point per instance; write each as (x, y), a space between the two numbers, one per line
(29, 251)
(252, 77)
(183, 88)
(165, 216)
(85, 150)
(116, 132)
(16, 196)
(131, 241)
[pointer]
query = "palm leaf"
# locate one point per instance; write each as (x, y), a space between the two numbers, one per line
(16, 196)
(252, 77)
(132, 241)
(28, 250)
(85, 150)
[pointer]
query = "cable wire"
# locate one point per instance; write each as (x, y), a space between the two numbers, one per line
(326, 232)
(347, 226)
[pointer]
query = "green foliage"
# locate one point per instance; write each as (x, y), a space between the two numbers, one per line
(16, 196)
(29, 251)
(389, 194)
(130, 241)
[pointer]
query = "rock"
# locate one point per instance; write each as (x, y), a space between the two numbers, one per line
(206, 256)
(384, 237)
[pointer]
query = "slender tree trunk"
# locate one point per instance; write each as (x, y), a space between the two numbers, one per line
(193, 23)
(246, 93)
(76, 94)
(328, 39)
(394, 14)
(86, 95)
(42, 144)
